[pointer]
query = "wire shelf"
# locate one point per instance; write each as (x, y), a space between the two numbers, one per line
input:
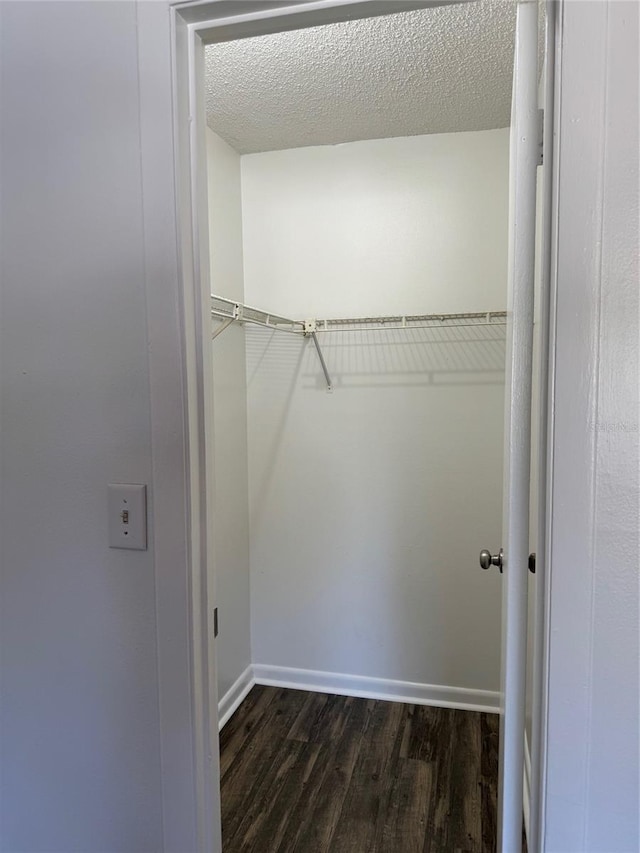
(229, 311)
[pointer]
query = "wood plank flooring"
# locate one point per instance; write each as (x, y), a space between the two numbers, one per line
(315, 773)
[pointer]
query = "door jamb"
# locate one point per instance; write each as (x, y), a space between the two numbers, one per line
(550, 201)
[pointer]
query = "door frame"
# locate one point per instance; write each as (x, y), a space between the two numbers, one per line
(193, 25)
(550, 103)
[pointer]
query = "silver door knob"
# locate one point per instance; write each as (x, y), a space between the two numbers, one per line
(487, 559)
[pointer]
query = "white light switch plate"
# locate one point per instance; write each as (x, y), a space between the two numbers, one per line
(127, 516)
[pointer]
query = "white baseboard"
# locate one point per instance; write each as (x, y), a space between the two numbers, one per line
(357, 685)
(526, 787)
(377, 688)
(234, 696)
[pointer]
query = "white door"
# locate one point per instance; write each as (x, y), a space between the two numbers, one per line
(524, 154)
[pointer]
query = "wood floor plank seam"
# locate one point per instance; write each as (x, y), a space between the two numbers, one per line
(305, 772)
(325, 810)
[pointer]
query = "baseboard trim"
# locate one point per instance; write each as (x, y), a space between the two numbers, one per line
(526, 787)
(234, 696)
(377, 688)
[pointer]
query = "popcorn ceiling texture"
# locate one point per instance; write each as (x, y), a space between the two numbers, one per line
(436, 70)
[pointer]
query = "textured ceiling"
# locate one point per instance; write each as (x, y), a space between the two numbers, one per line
(435, 70)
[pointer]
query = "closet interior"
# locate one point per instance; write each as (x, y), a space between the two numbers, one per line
(358, 210)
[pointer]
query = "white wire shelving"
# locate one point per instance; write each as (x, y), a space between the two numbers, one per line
(229, 311)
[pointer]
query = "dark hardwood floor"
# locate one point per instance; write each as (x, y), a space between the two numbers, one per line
(315, 773)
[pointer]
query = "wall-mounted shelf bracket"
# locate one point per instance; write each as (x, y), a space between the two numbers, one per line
(310, 328)
(220, 329)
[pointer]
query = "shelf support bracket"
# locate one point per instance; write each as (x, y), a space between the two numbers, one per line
(310, 327)
(220, 329)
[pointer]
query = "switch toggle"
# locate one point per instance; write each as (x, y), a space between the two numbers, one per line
(127, 516)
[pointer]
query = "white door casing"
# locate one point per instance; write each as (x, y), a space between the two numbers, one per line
(199, 23)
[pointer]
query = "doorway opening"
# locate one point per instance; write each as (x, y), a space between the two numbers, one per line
(358, 226)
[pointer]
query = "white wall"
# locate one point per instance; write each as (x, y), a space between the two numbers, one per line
(369, 506)
(593, 740)
(408, 225)
(80, 747)
(231, 509)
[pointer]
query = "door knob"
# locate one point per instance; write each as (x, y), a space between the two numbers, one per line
(487, 559)
(532, 562)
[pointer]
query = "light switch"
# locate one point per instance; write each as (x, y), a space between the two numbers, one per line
(127, 516)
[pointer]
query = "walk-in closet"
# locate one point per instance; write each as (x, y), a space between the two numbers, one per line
(358, 222)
